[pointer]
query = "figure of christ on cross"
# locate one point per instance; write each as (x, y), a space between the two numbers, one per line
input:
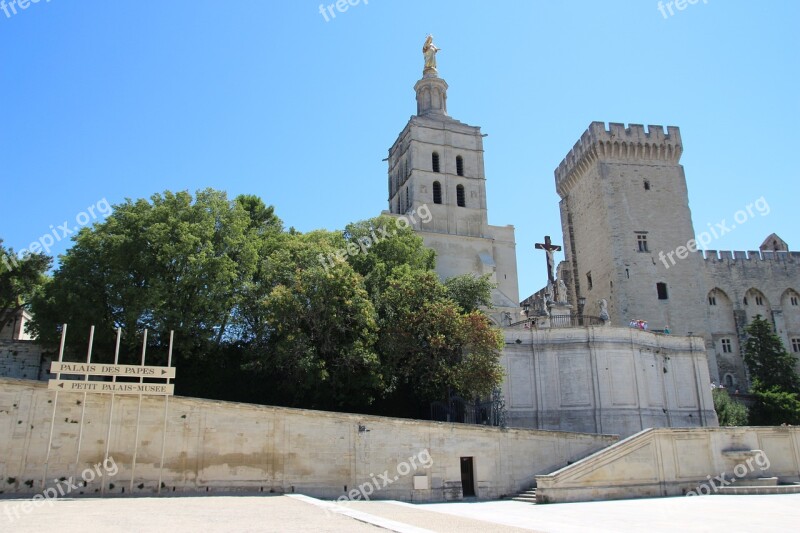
(549, 248)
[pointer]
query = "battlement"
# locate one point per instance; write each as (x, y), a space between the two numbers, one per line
(618, 142)
(751, 255)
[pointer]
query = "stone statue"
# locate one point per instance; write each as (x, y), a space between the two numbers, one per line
(429, 51)
(562, 291)
(551, 268)
(603, 310)
(544, 311)
(548, 293)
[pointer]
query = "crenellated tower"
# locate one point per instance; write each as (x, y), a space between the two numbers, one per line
(628, 228)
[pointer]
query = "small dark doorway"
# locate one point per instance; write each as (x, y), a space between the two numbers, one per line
(467, 477)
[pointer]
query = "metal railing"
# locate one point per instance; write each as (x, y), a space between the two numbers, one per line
(562, 321)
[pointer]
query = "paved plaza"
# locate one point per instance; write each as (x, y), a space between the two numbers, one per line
(300, 513)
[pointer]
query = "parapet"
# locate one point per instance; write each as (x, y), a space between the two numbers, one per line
(752, 255)
(618, 142)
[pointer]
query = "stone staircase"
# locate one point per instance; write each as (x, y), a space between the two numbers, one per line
(527, 496)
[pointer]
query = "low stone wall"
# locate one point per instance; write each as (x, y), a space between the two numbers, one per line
(674, 462)
(24, 360)
(217, 446)
(605, 380)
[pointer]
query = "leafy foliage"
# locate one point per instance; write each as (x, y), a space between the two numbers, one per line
(20, 280)
(774, 407)
(776, 384)
(729, 411)
(328, 320)
(470, 292)
(769, 363)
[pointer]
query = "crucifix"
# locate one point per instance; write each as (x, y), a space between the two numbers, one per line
(549, 248)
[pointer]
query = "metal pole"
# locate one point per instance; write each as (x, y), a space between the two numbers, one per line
(166, 409)
(55, 403)
(111, 411)
(83, 405)
(138, 416)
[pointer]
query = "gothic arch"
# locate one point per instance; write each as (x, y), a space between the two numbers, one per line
(756, 303)
(790, 304)
(720, 312)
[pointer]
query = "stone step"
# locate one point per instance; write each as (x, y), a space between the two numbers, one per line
(528, 496)
(762, 489)
(757, 482)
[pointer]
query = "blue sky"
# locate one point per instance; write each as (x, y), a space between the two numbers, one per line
(126, 99)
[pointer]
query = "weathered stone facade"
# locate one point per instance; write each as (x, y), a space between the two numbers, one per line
(437, 162)
(740, 286)
(212, 446)
(605, 380)
(629, 239)
(24, 360)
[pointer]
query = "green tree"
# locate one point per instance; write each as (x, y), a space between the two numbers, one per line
(318, 329)
(729, 411)
(774, 407)
(769, 363)
(330, 320)
(775, 382)
(172, 263)
(20, 280)
(430, 345)
(471, 292)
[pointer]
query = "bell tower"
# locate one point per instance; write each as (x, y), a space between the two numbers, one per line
(437, 162)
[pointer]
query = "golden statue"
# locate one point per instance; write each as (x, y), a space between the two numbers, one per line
(429, 51)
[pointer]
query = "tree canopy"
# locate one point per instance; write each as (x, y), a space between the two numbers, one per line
(775, 382)
(21, 278)
(354, 320)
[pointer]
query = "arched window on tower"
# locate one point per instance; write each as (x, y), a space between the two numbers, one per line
(437, 192)
(460, 166)
(435, 161)
(460, 197)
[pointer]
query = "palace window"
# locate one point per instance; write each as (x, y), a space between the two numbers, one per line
(647, 185)
(759, 300)
(460, 198)
(726, 346)
(712, 300)
(589, 279)
(796, 345)
(641, 241)
(793, 299)
(460, 166)
(745, 301)
(661, 289)
(435, 161)
(437, 192)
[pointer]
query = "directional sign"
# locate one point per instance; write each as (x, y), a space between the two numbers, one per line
(107, 387)
(95, 369)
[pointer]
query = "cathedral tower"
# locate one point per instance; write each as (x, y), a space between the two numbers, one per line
(437, 162)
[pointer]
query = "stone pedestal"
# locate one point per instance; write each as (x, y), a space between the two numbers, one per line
(559, 309)
(431, 94)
